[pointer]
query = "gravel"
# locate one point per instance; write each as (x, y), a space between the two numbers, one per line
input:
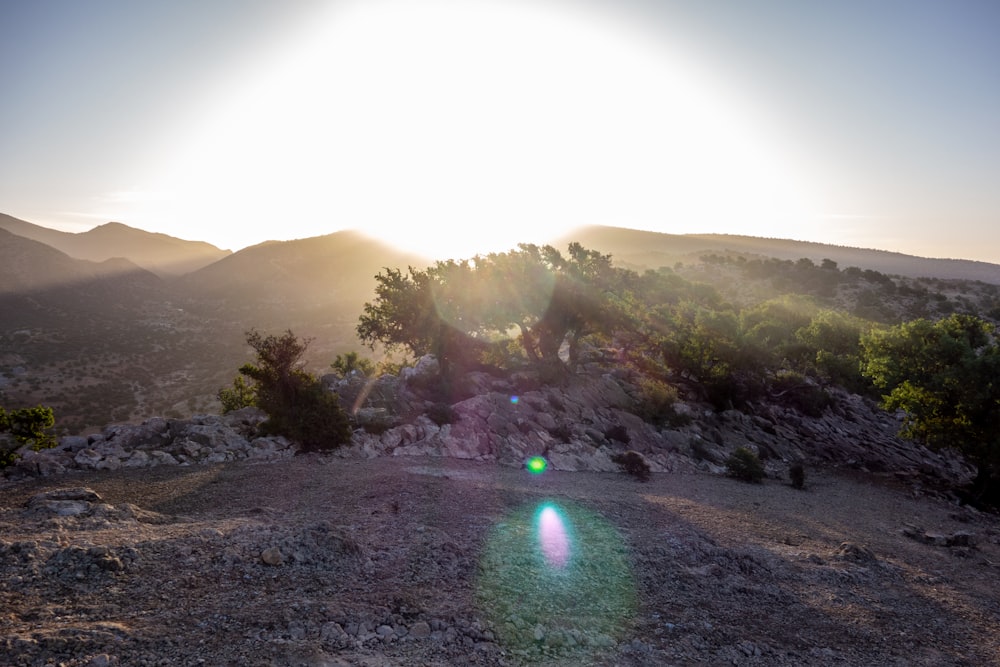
(324, 561)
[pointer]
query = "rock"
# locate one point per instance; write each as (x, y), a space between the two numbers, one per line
(420, 630)
(272, 556)
(88, 458)
(138, 459)
(857, 553)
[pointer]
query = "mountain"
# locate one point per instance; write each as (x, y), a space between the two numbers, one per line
(30, 266)
(109, 341)
(163, 255)
(338, 268)
(651, 250)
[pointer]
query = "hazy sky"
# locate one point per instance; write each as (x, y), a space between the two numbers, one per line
(473, 124)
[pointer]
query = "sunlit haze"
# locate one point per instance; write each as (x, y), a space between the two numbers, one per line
(456, 127)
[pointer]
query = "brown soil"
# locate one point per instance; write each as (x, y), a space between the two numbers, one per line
(327, 561)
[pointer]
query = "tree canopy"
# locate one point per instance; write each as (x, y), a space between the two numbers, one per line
(457, 309)
(945, 376)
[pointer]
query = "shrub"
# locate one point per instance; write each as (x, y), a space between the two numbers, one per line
(744, 465)
(27, 427)
(655, 402)
(313, 418)
(351, 363)
(634, 464)
(297, 405)
(797, 473)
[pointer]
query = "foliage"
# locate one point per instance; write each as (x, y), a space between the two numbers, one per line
(351, 363)
(29, 427)
(944, 376)
(295, 401)
(655, 402)
(237, 396)
(800, 393)
(462, 311)
(633, 463)
(744, 465)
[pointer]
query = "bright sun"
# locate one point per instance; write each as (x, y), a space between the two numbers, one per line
(460, 127)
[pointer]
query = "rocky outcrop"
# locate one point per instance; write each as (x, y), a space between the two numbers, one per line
(580, 425)
(158, 441)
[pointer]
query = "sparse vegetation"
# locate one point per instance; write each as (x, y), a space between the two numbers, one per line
(633, 463)
(744, 465)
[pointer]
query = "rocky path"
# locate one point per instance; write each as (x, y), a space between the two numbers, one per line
(320, 560)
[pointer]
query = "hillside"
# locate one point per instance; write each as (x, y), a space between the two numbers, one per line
(161, 254)
(104, 342)
(651, 250)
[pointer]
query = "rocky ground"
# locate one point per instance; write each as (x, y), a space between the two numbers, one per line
(322, 560)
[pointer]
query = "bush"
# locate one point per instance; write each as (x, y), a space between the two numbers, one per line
(797, 473)
(313, 418)
(297, 405)
(634, 464)
(655, 403)
(27, 427)
(745, 466)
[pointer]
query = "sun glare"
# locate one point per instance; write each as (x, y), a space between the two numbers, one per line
(452, 128)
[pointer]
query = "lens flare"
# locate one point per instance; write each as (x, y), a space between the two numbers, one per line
(558, 569)
(536, 465)
(514, 400)
(552, 537)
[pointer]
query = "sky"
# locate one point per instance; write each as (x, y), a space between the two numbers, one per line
(460, 126)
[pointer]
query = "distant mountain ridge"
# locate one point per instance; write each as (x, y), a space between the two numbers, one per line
(643, 249)
(167, 256)
(162, 254)
(27, 265)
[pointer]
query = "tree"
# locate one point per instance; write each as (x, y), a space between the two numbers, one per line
(295, 401)
(27, 427)
(417, 311)
(457, 310)
(945, 377)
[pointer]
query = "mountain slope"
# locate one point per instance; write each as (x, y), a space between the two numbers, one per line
(336, 268)
(642, 249)
(28, 265)
(159, 253)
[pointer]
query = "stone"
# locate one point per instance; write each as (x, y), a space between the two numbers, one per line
(272, 556)
(420, 630)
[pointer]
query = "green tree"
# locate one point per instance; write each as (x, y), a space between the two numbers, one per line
(295, 401)
(30, 427)
(237, 396)
(351, 362)
(458, 311)
(945, 377)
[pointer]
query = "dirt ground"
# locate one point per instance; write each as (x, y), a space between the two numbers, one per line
(324, 561)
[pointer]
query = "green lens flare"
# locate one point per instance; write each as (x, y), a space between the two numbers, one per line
(536, 465)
